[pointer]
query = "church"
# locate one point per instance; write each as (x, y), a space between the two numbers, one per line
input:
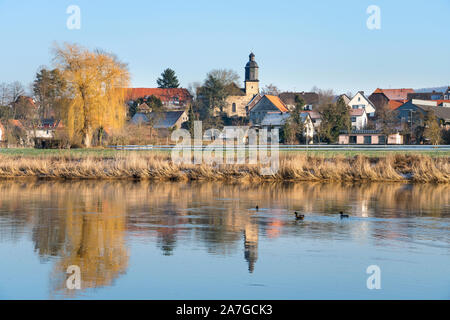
(237, 102)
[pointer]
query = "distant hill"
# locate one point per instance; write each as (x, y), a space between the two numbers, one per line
(437, 89)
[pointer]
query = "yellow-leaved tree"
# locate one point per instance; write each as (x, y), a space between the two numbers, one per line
(96, 84)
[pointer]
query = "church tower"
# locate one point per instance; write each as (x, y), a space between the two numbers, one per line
(251, 76)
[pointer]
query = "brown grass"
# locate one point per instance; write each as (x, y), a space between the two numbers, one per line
(413, 168)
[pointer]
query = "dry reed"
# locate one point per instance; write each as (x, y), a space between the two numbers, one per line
(413, 168)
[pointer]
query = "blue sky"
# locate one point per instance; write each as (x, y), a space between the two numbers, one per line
(298, 44)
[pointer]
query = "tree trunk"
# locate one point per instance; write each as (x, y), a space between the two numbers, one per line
(87, 138)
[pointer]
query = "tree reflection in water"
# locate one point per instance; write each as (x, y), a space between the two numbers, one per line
(87, 223)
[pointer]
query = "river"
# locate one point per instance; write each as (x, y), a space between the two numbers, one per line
(148, 240)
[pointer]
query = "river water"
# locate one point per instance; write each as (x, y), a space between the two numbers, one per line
(146, 240)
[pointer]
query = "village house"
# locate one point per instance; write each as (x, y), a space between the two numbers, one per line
(252, 103)
(143, 108)
(172, 98)
(43, 135)
(359, 101)
(311, 99)
(316, 118)
(446, 95)
(391, 98)
(344, 97)
(358, 118)
(267, 104)
(45, 129)
(369, 137)
(443, 103)
(414, 112)
(161, 120)
(434, 95)
(277, 121)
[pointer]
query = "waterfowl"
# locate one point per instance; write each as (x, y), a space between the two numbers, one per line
(257, 208)
(343, 216)
(299, 216)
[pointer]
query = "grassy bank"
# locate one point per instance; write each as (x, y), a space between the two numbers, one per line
(102, 152)
(110, 164)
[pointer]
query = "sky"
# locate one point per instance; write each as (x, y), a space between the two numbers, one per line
(298, 44)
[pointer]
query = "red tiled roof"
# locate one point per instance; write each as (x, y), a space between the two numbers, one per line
(394, 104)
(395, 94)
(276, 101)
(166, 95)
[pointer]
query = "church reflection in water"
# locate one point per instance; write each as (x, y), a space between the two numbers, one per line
(88, 224)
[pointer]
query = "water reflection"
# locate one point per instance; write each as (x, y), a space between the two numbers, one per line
(92, 224)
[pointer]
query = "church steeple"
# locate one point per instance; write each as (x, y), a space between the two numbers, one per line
(251, 76)
(251, 69)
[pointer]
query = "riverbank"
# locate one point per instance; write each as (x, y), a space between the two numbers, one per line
(111, 152)
(292, 167)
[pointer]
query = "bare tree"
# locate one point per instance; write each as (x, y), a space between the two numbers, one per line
(5, 96)
(270, 89)
(326, 98)
(225, 76)
(16, 90)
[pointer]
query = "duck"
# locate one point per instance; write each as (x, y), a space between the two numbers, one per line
(257, 208)
(344, 216)
(299, 216)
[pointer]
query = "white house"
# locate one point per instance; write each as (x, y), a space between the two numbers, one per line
(358, 118)
(359, 101)
(316, 118)
(271, 121)
(1, 132)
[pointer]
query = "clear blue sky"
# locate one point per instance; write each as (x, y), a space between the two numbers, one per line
(298, 44)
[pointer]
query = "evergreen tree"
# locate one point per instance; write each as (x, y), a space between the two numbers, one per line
(335, 118)
(288, 132)
(168, 79)
(191, 119)
(49, 89)
(154, 103)
(299, 103)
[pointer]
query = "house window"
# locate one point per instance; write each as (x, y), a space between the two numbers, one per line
(234, 107)
(355, 106)
(382, 139)
(367, 139)
(352, 139)
(353, 119)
